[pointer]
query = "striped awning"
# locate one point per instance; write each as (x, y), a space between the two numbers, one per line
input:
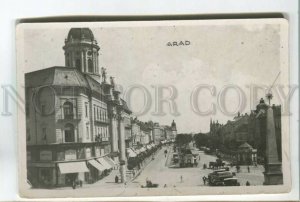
(73, 167)
(97, 165)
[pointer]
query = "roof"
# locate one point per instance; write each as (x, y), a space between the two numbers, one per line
(56, 76)
(62, 77)
(246, 146)
(80, 33)
(93, 84)
(125, 106)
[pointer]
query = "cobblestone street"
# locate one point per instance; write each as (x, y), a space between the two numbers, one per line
(158, 172)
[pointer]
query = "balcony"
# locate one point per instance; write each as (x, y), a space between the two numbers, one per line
(101, 139)
(104, 139)
(100, 122)
(69, 117)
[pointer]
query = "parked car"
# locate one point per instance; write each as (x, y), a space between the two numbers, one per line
(175, 158)
(231, 182)
(215, 178)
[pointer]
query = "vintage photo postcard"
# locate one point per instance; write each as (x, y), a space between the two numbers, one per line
(153, 108)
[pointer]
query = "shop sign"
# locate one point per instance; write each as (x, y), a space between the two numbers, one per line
(46, 155)
(70, 154)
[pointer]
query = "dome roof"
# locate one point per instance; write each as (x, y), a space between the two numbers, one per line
(245, 146)
(81, 33)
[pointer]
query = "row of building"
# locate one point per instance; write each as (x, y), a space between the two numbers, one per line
(245, 135)
(77, 126)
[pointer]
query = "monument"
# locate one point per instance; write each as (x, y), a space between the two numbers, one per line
(273, 169)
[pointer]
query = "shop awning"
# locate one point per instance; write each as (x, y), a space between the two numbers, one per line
(110, 161)
(131, 153)
(73, 167)
(97, 165)
(143, 149)
(137, 151)
(104, 163)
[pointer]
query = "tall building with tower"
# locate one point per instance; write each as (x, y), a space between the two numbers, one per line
(74, 118)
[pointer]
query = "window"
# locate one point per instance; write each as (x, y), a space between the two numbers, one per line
(86, 109)
(78, 64)
(43, 109)
(28, 135)
(68, 110)
(95, 115)
(87, 132)
(27, 110)
(69, 133)
(44, 134)
(90, 65)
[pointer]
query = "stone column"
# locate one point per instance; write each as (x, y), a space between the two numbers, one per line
(122, 155)
(114, 130)
(273, 172)
(82, 60)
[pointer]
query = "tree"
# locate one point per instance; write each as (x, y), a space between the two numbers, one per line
(183, 139)
(201, 140)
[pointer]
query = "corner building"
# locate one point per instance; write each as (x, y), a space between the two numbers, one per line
(75, 127)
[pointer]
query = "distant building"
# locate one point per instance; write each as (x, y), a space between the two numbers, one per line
(247, 128)
(164, 132)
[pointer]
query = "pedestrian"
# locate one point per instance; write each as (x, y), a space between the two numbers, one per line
(204, 180)
(237, 168)
(74, 184)
(116, 179)
(165, 185)
(247, 183)
(248, 169)
(181, 179)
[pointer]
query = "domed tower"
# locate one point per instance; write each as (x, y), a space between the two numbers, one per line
(81, 52)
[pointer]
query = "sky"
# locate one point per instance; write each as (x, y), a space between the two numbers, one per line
(219, 54)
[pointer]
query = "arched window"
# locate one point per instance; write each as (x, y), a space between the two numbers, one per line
(68, 110)
(90, 65)
(78, 64)
(69, 133)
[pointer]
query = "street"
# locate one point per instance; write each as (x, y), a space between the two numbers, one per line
(158, 172)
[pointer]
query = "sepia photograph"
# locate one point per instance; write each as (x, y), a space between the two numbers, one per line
(153, 108)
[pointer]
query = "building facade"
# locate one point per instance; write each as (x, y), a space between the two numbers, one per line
(246, 128)
(75, 122)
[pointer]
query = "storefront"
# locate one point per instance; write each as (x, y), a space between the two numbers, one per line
(41, 174)
(96, 170)
(68, 172)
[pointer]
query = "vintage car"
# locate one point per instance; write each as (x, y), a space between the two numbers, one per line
(231, 182)
(149, 184)
(175, 158)
(217, 177)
